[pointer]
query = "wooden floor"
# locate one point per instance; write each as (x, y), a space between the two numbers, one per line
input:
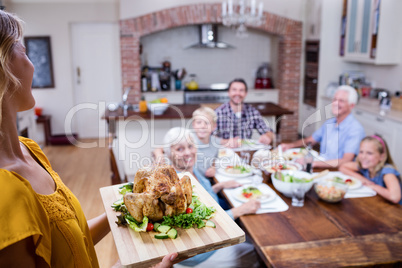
(84, 171)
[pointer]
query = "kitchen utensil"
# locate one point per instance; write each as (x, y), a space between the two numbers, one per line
(286, 188)
(378, 93)
(193, 84)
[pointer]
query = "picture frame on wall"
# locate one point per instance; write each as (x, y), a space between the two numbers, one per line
(39, 51)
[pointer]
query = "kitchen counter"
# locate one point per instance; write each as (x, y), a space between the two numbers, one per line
(185, 111)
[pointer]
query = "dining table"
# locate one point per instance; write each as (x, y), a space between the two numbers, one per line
(355, 232)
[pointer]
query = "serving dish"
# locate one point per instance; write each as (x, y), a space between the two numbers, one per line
(330, 191)
(143, 250)
(286, 187)
(157, 108)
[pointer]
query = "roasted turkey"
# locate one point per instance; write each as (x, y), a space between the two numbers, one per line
(158, 192)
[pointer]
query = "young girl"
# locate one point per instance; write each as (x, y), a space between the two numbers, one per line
(375, 168)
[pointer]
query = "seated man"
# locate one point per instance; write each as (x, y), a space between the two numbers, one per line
(339, 137)
(237, 119)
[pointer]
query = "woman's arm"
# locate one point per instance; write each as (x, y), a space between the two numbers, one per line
(392, 189)
(19, 254)
(217, 187)
(351, 169)
(99, 227)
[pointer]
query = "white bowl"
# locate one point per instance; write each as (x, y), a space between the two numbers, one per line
(157, 108)
(286, 188)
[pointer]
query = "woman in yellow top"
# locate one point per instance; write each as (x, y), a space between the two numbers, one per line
(42, 223)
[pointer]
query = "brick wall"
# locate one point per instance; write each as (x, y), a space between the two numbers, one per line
(289, 52)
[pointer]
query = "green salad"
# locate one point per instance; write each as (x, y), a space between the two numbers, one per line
(291, 178)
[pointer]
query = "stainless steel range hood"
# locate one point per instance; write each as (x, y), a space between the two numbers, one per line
(209, 37)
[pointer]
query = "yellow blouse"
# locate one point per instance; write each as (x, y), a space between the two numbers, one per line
(56, 222)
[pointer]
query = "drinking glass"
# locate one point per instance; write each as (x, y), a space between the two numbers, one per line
(298, 196)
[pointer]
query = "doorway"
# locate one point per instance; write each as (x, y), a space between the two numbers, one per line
(97, 75)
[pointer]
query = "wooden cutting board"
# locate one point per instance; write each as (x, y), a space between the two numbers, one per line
(143, 250)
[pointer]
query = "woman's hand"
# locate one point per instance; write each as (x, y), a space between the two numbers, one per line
(210, 172)
(231, 184)
(217, 187)
(167, 261)
(250, 207)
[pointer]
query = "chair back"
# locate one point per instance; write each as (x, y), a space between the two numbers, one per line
(116, 165)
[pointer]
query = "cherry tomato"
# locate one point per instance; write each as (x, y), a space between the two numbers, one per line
(189, 210)
(280, 166)
(348, 181)
(150, 226)
(247, 195)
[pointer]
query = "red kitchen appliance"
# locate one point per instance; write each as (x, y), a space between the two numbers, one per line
(263, 78)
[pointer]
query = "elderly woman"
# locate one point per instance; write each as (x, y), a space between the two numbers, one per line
(181, 151)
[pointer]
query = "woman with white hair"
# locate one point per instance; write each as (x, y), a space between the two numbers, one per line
(339, 136)
(179, 147)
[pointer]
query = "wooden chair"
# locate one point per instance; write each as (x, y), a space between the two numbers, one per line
(118, 175)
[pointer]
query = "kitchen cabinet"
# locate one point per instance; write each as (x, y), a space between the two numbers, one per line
(370, 31)
(313, 19)
(374, 124)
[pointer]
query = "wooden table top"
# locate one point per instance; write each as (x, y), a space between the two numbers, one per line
(353, 232)
(186, 111)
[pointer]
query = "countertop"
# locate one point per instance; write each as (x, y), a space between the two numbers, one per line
(186, 111)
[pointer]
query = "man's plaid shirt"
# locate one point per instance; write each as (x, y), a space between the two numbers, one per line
(229, 126)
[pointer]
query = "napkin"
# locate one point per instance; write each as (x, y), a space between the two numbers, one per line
(363, 191)
(276, 205)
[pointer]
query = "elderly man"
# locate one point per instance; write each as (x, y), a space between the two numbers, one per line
(237, 119)
(339, 137)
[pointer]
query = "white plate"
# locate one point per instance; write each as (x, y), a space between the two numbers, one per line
(251, 145)
(242, 175)
(237, 194)
(356, 183)
(294, 153)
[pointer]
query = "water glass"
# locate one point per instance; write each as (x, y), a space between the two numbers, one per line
(298, 197)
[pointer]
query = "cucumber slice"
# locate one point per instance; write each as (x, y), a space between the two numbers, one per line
(163, 229)
(156, 225)
(210, 224)
(161, 236)
(118, 202)
(172, 233)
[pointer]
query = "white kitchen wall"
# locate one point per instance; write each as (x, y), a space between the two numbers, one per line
(55, 20)
(292, 9)
(210, 65)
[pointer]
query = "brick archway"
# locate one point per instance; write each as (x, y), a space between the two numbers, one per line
(289, 52)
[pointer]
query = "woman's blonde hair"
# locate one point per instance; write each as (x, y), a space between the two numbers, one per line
(10, 34)
(205, 111)
(382, 148)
